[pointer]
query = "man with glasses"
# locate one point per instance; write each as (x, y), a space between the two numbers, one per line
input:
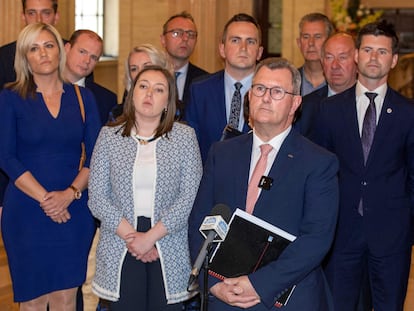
(216, 102)
(301, 197)
(179, 38)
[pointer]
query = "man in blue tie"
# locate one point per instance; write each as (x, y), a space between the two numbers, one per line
(212, 100)
(370, 127)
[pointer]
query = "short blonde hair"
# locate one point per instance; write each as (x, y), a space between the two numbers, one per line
(24, 84)
(156, 56)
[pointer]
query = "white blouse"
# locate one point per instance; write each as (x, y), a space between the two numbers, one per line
(145, 169)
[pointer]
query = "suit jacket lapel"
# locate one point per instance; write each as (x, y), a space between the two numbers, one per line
(350, 125)
(385, 122)
(242, 169)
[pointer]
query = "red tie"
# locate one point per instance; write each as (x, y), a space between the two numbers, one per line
(253, 190)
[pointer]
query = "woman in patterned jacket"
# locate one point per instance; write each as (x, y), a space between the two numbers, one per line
(145, 172)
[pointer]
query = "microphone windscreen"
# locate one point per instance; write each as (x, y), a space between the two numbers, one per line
(223, 210)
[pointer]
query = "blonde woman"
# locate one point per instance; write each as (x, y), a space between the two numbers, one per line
(140, 56)
(47, 227)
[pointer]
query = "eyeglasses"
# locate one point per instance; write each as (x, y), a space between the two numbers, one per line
(276, 92)
(179, 33)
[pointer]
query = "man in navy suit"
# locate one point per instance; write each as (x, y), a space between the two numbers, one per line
(82, 54)
(376, 180)
(340, 70)
(45, 11)
(302, 198)
(179, 37)
(208, 110)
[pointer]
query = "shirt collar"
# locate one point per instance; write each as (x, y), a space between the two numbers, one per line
(361, 90)
(229, 81)
(276, 142)
(183, 70)
(81, 82)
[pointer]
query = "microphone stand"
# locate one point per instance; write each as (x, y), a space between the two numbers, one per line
(204, 294)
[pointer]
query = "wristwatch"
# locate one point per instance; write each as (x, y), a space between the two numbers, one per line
(76, 192)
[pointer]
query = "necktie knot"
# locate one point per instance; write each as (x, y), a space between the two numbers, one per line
(235, 107)
(265, 149)
(238, 86)
(177, 73)
(371, 96)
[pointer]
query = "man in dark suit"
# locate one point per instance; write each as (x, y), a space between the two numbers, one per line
(44, 11)
(370, 127)
(82, 54)
(340, 70)
(302, 198)
(179, 37)
(209, 108)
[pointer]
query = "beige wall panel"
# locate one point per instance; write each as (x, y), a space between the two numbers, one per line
(10, 21)
(66, 24)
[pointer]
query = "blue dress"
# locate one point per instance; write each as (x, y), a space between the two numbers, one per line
(45, 256)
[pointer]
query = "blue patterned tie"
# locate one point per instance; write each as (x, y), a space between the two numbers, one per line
(235, 107)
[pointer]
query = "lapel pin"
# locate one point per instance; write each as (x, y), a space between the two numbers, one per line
(389, 110)
(290, 155)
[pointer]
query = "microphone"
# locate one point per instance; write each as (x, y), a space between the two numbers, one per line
(214, 229)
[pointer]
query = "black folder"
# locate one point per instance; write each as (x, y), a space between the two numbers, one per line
(250, 244)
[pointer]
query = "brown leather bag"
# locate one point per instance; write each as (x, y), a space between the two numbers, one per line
(82, 110)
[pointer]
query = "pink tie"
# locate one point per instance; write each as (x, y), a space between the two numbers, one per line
(253, 190)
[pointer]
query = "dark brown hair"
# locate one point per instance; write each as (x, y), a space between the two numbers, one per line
(381, 28)
(167, 118)
(242, 17)
(54, 5)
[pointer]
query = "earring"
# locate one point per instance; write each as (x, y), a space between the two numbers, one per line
(165, 109)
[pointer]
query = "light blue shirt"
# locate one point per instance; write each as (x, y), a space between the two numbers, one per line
(229, 89)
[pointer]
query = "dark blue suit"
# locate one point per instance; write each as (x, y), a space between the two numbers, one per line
(206, 111)
(309, 110)
(386, 186)
(7, 54)
(105, 99)
(303, 201)
(193, 73)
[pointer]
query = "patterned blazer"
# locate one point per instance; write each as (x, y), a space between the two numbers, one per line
(111, 199)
